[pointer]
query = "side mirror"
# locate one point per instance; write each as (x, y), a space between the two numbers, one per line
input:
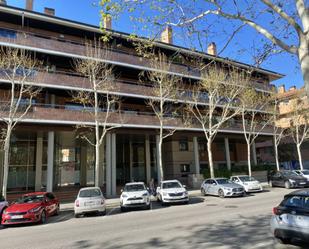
(184, 186)
(121, 190)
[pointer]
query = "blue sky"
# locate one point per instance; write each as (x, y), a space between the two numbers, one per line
(87, 12)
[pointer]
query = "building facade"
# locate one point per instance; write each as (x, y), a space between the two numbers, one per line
(46, 149)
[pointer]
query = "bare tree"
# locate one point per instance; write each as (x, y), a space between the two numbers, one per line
(17, 68)
(256, 116)
(299, 125)
(215, 101)
(164, 89)
(98, 101)
(283, 25)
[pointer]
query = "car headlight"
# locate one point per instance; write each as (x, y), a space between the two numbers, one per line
(185, 193)
(145, 194)
(5, 212)
(292, 181)
(34, 210)
(124, 196)
(228, 189)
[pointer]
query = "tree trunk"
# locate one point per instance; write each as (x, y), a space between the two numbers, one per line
(97, 164)
(303, 56)
(249, 159)
(6, 164)
(277, 156)
(299, 157)
(210, 160)
(160, 156)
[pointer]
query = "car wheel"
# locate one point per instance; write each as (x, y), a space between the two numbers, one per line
(76, 215)
(123, 209)
(287, 185)
(283, 240)
(102, 213)
(148, 207)
(186, 202)
(57, 210)
(203, 191)
(43, 217)
(221, 193)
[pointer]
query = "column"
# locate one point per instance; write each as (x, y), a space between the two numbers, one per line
(83, 165)
(39, 161)
(148, 159)
(108, 166)
(196, 156)
(50, 161)
(227, 153)
(52, 100)
(158, 156)
(131, 159)
(1, 167)
(254, 153)
(113, 147)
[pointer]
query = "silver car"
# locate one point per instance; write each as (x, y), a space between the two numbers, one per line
(89, 200)
(290, 220)
(221, 187)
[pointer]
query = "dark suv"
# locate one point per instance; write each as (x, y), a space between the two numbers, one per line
(287, 179)
(290, 220)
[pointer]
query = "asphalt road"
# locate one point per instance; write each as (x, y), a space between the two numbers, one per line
(207, 222)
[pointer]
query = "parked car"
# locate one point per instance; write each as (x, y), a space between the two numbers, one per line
(287, 179)
(172, 191)
(290, 219)
(221, 187)
(31, 208)
(304, 173)
(134, 194)
(3, 205)
(89, 200)
(249, 183)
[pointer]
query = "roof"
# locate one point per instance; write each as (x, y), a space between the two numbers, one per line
(35, 193)
(134, 183)
(302, 192)
(169, 181)
(87, 188)
(83, 26)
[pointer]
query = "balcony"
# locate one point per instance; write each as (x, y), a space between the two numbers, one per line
(60, 46)
(61, 114)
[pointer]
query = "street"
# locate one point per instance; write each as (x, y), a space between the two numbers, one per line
(207, 222)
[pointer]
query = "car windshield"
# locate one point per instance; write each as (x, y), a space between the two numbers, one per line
(134, 187)
(30, 199)
(247, 178)
(90, 193)
(223, 181)
(171, 185)
(289, 173)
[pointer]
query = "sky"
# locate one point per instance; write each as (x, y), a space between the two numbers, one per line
(87, 11)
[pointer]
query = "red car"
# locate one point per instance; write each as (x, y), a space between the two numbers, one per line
(31, 208)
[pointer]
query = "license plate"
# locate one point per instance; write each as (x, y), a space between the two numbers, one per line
(17, 216)
(89, 203)
(137, 201)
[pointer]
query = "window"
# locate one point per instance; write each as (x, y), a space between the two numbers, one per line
(7, 33)
(185, 168)
(183, 145)
(202, 146)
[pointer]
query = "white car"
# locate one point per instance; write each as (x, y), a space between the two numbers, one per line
(3, 205)
(134, 194)
(249, 183)
(89, 200)
(172, 191)
(304, 173)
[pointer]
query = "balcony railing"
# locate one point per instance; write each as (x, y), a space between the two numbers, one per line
(79, 115)
(120, 57)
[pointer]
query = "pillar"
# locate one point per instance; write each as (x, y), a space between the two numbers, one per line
(83, 165)
(1, 166)
(50, 161)
(148, 159)
(158, 166)
(113, 147)
(108, 165)
(254, 153)
(39, 161)
(196, 156)
(227, 153)
(131, 159)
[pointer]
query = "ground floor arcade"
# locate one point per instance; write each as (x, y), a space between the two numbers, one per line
(54, 159)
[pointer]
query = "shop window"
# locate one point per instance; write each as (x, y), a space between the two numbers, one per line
(183, 145)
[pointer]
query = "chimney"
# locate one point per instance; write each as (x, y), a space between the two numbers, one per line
(167, 35)
(3, 2)
(212, 49)
(29, 5)
(292, 88)
(49, 11)
(107, 22)
(281, 89)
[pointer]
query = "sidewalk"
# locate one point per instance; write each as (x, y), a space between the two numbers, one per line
(114, 202)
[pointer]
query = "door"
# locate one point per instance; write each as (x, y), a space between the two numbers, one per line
(51, 205)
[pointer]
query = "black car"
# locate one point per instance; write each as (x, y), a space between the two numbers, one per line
(287, 179)
(290, 220)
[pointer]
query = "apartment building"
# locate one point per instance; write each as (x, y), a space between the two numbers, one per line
(46, 151)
